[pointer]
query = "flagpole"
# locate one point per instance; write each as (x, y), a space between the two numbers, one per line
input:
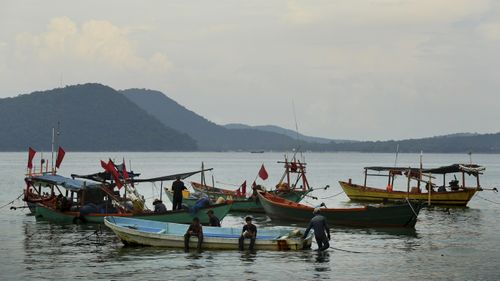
(53, 137)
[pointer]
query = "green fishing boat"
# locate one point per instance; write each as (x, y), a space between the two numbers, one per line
(43, 212)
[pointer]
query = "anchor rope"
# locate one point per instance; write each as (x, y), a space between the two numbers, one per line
(11, 202)
(491, 201)
(413, 210)
(96, 233)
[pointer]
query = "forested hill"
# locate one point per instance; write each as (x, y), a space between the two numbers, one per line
(456, 143)
(92, 117)
(209, 136)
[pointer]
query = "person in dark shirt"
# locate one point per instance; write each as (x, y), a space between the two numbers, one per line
(159, 206)
(249, 232)
(177, 188)
(321, 230)
(213, 220)
(194, 229)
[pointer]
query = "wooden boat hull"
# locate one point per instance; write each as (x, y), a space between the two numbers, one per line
(240, 204)
(249, 205)
(368, 216)
(157, 234)
(360, 193)
(181, 216)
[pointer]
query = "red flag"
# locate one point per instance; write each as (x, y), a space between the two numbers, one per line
(263, 173)
(110, 168)
(124, 171)
(293, 167)
(60, 157)
(244, 187)
(31, 154)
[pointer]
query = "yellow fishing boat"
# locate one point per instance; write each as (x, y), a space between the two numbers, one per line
(454, 193)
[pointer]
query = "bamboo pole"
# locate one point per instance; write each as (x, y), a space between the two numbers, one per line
(430, 189)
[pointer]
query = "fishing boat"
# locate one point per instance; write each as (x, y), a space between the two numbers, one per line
(454, 193)
(404, 215)
(286, 188)
(161, 234)
(89, 201)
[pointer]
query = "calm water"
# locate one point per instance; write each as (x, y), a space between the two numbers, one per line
(454, 244)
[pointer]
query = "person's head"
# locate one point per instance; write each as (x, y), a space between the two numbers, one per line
(178, 178)
(157, 201)
(210, 213)
(248, 220)
(316, 211)
(196, 220)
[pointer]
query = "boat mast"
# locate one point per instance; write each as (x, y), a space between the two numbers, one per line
(53, 140)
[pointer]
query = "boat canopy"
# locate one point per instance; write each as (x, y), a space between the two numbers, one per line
(473, 169)
(171, 177)
(68, 183)
(103, 176)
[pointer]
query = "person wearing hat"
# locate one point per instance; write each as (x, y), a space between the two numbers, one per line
(249, 232)
(159, 206)
(321, 230)
(195, 229)
(177, 187)
(212, 219)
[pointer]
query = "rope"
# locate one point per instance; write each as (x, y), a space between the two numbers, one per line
(491, 201)
(413, 210)
(96, 233)
(12, 202)
(328, 197)
(348, 251)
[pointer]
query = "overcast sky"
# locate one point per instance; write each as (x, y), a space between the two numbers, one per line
(380, 69)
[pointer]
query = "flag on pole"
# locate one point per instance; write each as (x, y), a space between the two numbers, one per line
(244, 187)
(263, 173)
(110, 168)
(60, 157)
(31, 154)
(124, 172)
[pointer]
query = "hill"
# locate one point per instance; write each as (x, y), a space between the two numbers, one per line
(209, 136)
(92, 117)
(455, 143)
(287, 132)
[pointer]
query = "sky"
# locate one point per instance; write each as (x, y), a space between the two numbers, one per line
(365, 70)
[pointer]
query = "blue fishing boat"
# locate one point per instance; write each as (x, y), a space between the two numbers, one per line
(163, 234)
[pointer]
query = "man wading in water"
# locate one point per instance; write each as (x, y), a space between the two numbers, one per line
(177, 188)
(321, 230)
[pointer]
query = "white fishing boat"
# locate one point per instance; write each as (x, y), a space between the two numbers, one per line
(161, 234)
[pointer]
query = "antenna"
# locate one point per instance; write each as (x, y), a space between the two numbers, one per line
(296, 128)
(396, 159)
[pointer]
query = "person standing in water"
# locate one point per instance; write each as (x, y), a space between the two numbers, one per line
(321, 230)
(177, 188)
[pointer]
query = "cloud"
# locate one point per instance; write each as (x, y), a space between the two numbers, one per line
(382, 11)
(93, 42)
(489, 31)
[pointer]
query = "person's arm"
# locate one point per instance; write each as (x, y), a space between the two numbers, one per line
(327, 229)
(243, 230)
(307, 230)
(255, 233)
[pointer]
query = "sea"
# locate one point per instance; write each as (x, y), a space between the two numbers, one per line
(446, 244)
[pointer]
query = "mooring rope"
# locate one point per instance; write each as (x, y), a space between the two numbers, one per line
(491, 201)
(328, 197)
(96, 233)
(349, 251)
(413, 210)
(12, 202)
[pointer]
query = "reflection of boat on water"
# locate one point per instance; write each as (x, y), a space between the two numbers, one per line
(161, 234)
(455, 193)
(404, 215)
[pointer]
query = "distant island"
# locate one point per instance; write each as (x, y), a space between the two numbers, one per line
(94, 117)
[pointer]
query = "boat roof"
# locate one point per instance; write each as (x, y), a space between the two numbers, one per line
(171, 177)
(67, 183)
(454, 168)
